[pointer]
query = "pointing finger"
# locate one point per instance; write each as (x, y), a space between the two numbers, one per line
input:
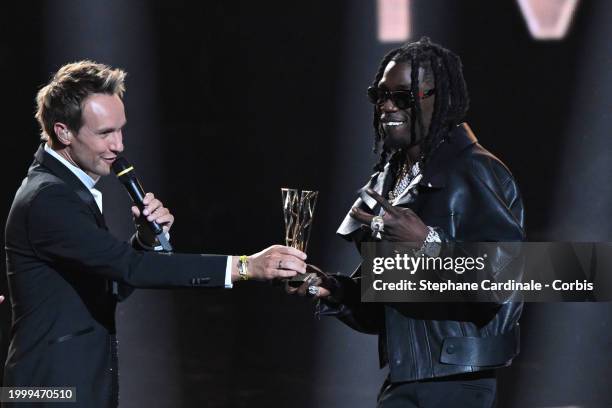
(361, 216)
(381, 200)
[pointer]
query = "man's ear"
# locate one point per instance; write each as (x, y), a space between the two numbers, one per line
(64, 135)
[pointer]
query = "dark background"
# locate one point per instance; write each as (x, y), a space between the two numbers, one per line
(229, 101)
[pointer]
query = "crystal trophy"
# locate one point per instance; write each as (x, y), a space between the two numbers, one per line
(298, 211)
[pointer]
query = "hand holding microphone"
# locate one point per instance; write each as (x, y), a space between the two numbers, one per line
(154, 211)
(158, 219)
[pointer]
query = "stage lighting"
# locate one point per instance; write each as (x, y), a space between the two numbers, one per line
(548, 19)
(393, 20)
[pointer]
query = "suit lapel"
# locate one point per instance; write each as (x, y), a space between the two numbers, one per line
(54, 166)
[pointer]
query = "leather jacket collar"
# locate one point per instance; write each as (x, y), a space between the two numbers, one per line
(434, 174)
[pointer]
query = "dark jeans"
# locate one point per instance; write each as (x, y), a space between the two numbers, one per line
(475, 390)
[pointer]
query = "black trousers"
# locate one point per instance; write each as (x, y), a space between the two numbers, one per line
(475, 390)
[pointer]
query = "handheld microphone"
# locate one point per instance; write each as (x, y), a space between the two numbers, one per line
(127, 176)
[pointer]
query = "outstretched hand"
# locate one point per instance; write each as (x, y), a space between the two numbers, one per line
(277, 261)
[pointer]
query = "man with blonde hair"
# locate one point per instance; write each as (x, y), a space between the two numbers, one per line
(63, 265)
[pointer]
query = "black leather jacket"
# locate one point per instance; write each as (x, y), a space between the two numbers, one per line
(467, 195)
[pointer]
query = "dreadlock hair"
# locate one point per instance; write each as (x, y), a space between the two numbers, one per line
(451, 97)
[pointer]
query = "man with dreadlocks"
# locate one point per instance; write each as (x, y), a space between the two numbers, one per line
(434, 185)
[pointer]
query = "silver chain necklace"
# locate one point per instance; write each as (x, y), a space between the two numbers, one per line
(406, 176)
(404, 179)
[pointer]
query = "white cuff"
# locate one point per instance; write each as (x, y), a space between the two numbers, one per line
(228, 273)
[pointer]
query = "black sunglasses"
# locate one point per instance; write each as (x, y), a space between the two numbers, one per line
(403, 99)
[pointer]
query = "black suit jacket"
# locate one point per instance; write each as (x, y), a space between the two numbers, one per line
(61, 262)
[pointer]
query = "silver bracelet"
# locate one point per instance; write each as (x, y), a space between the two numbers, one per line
(432, 245)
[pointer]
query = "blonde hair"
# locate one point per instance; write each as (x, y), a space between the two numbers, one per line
(61, 100)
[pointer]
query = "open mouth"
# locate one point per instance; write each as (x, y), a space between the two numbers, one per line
(393, 124)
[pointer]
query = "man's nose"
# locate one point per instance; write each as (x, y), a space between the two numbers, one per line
(117, 142)
(388, 106)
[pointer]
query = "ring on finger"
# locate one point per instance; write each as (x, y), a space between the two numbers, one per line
(377, 225)
(313, 290)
